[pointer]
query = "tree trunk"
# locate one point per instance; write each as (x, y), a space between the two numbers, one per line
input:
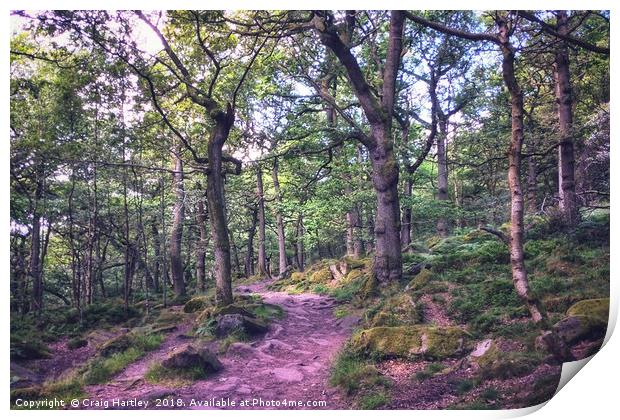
(566, 154)
(517, 259)
(299, 248)
(157, 262)
(442, 175)
(201, 248)
(249, 255)
(405, 228)
(262, 254)
(216, 208)
(532, 207)
(388, 258)
(282, 263)
(35, 261)
(176, 234)
(387, 265)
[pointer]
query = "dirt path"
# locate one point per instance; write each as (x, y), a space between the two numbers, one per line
(291, 362)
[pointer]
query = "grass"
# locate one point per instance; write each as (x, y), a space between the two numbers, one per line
(429, 371)
(464, 386)
(341, 312)
(352, 374)
(158, 374)
(373, 401)
(103, 369)
(490, 394)
(234, 337)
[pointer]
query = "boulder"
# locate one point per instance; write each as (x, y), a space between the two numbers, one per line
(322, 276)
(410, 341)
(491, 361)
(229, 323)
(188, 356)
(115, 345)
(198, 303)
(585, 319)
(597, 309)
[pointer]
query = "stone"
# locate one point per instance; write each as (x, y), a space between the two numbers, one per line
(411, 342)
(115, 345)
(348, 321)
(585, 319)
(288, 374)
(188, 356)
(275, 344)
(229, 323)
(490, 361)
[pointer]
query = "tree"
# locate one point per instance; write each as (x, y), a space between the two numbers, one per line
(379, 113)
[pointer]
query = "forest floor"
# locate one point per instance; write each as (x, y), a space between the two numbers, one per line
(289, 363)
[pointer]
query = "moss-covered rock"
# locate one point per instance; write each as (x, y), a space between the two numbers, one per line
(395, 311)
(322, 276)
(195, 304)
(492, 362)
(410, 342)
(188, 356)
(585, 319)
(115, 345)
(423, 278)
(593, 308)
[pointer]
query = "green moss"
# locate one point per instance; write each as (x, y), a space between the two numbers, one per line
(353, 274)
(495, 363)
(321, 276)
(396, 310)
(410, 341)
(298, 276)
(265, 311)
(597, 309)
(118, 354)
(422, 279)
(195, 304)
(102, 370)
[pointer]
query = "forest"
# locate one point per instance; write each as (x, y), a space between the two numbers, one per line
(306, 209)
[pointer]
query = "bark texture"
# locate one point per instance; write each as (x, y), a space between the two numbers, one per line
(566, 154)
(176, 233)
